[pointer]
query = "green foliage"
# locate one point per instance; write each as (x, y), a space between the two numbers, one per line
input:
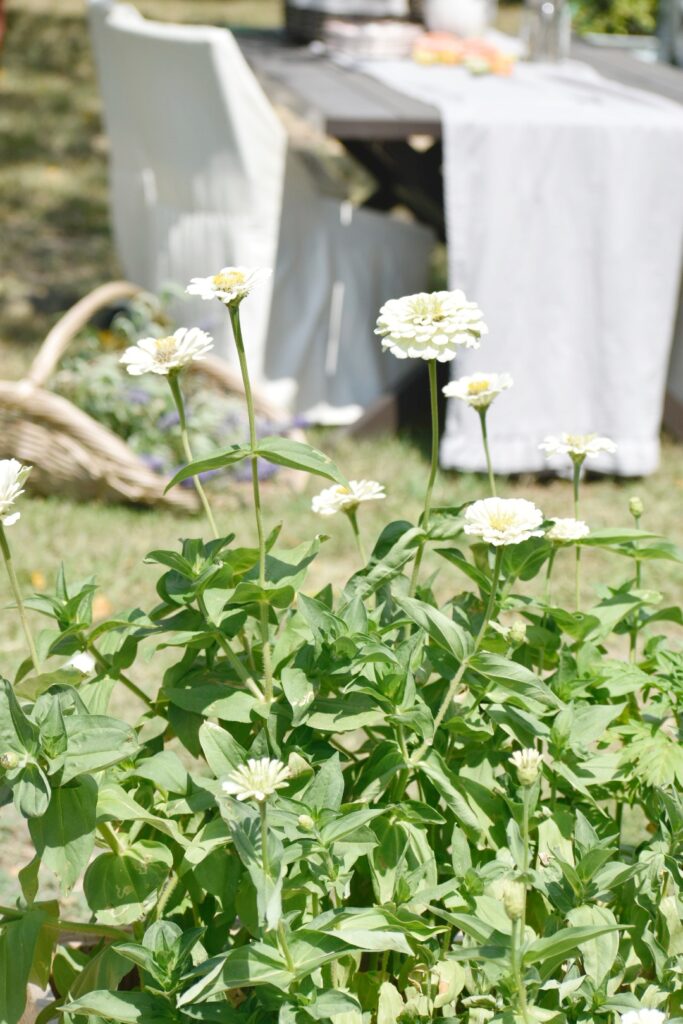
(378, 882)
(620, 17)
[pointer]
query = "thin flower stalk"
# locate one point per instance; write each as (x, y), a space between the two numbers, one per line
(234, 312)
(16, 591)
(636, 509)
(487, 453)
(434, 404)
(457, 678)
(578, 463)
(353, 520)
(174, 385)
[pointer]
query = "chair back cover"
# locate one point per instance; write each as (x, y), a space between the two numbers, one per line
(197, 161)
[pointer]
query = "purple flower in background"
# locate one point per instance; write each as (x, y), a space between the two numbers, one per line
(168, 420)
(138, 396)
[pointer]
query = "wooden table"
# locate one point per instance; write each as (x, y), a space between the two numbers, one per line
(378, 126)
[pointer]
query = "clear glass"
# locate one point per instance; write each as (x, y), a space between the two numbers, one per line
(546, 29)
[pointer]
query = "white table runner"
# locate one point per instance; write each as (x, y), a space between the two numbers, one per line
(564, 220)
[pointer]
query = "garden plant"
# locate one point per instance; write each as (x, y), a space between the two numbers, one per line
(364, 807)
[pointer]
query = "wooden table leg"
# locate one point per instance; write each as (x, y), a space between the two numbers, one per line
(405, 176)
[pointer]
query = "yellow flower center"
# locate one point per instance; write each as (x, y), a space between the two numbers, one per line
(579, 440)
(428, 307)
(227, 281)
(476, 387)
(165, 349)
(502, 520)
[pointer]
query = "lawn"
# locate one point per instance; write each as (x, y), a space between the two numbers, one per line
(57, 245)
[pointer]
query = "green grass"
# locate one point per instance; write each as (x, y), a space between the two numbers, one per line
(57, 245)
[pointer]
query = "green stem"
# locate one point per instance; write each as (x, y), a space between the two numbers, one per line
(485, 439)
(577, 578)
(111, 839)
(353, 519)
(619, 817)
(77, 927)
(117, 674)
(521, 924)
(546, 599)
(455, 683)
(263, 607)
(184, 436)
(434, 403)
(167, 891)
(633, 639)
(14, 584)
(264, 837)
(516, 940)
(230, 655)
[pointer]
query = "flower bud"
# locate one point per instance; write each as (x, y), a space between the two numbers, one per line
(528, 765)
(9, 760)
(514, 899)
(635, 507)
(517, 633)
(297, 765)
(306, 821)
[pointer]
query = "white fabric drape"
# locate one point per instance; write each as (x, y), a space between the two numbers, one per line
(564, 217)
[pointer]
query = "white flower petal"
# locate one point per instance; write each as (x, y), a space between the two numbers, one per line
(342, 499)
(162, 355)
(12, 478)
(479, 389)
(430, 325)
(501, 521)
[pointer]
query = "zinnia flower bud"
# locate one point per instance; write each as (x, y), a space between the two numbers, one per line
(528, 765)
(9, 760)
(306, 821)
(635, 507)
(517, 634)
(514, 899)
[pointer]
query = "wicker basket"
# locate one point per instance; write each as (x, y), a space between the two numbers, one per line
(73, 454)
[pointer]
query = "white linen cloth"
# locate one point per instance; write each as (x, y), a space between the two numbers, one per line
(564, 221)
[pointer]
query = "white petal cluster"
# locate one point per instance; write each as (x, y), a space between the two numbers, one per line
(83, 662)
(230, 285)
(344, 499)
(500, 521)
(258, 779)
(577, 446)
(12, 478)
(643, 1016)
(162, 355)
(528, 764)
(430, 325)
(566, 531)
(479, 389)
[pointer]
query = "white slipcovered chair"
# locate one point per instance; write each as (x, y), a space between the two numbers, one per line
(201, 177)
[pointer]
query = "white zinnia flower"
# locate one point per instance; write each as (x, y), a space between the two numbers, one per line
(161, 355)
(479, 389)
(564, 531)
(503, 520)
(257, 779)
(230, 285)
(430, 326)
(528, 764)
(82, 662)
(12, 477)
(343, 499)
(643, 1016)
(577, 446)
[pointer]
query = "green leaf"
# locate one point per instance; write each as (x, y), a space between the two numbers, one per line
(31, 791)
(345, 714)
(326, 790)
(219, 460)
(564, 942)
(442, 629)
(17, 733)
(95, 742)
(600, 953)
(64, 836)
(18, 940)
(396, 546)
(123, 1007)
(222, 752)
(123, 882)
(449, 788)
(297, 455)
